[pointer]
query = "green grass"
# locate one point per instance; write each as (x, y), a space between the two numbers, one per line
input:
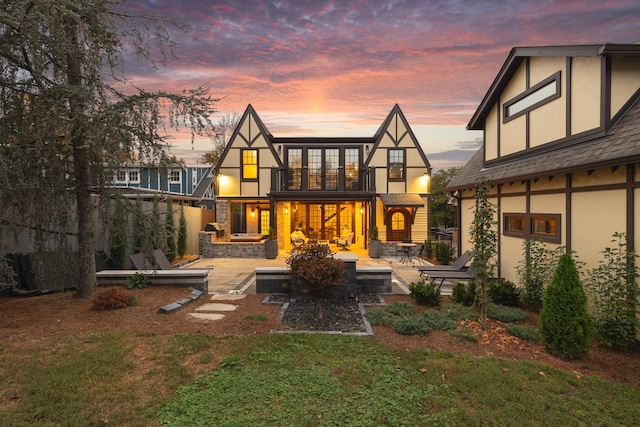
(281, 380)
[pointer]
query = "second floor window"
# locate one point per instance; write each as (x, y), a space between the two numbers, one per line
(396, 164)
(250, 164)
(174, 176)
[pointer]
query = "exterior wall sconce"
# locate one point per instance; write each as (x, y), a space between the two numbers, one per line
(279, 150)
(253, 212)
(286, 211)
(366, 150)
(361, 211)
(425, 181)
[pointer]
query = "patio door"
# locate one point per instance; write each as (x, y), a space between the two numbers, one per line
(398, 225)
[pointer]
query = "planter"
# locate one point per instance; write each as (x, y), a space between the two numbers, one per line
(271, 249)
(375, 248)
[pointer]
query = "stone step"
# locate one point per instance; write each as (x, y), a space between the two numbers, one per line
(207, 316)
(228, 297)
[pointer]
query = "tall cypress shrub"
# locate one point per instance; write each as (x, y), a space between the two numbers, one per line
(182, 233)
(564, 322)
(170, 230)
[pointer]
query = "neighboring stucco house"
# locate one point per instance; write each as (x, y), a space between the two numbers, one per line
(189, 183)
(561, 150)
(324, 187)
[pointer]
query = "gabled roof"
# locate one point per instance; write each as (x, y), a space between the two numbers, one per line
(620, 145)
(519, 54)
(204, 184)
(383, 128)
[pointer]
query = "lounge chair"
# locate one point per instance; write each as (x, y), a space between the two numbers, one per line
(441, 276)
(346, 242)
(458, 265)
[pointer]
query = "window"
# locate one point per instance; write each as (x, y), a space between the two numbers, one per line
(534, 97)
(174, 176)
(250, 164)
(396, 164)
(121, 176)
(533, 226)
(134, 176)
(265, 222)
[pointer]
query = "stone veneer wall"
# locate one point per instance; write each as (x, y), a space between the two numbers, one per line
(209, 248)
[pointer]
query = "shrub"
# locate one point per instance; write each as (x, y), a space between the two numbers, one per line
(564, 322)
(459, 312)
(428, 248)
(317, 271)
(464, 294)
(443, 252)
(464, 333)
(380, 317)
(113, 298)
(503, 292)
(401, 308)
(535, 271)
(504, 313)
(612, 285)
(137, 281)
(425, 294)
(528, 333)
(413, 325)
(437, 320)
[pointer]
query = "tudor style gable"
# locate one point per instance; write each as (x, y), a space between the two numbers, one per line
(397, 157)
(547, 97)
(245, 165)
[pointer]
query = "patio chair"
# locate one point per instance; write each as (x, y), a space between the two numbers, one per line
(298, 238)
(346, 242)
(440, 276)
(161, 260)
(458, 265)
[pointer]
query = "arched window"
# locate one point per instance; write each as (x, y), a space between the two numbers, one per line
(398, 224)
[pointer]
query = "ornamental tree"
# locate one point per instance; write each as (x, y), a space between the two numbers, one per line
(69, 118)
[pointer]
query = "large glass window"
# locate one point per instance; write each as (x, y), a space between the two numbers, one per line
(352, 169)
(331, 163)
(249, 164)
(396, 164)
(315, 169)
(294, 159)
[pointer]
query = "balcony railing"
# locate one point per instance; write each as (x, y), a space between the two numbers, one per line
(338, 180)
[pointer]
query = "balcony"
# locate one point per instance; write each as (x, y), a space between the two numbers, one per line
(285, 181)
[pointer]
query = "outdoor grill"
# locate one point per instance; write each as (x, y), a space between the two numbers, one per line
(215, 226)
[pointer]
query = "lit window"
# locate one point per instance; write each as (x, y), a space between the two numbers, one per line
(396, 164)
(535, 226)
(540, 94)
(250, 164)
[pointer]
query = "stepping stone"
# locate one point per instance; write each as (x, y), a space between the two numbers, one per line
(217, 307)
(170, 308)
(184, 301)
(207, 316)
(227, 297)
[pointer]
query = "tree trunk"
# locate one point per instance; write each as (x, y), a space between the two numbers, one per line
(82, 174)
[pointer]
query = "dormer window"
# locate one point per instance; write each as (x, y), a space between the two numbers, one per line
(534, 97)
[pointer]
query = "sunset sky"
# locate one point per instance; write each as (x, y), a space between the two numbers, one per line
(337, 68)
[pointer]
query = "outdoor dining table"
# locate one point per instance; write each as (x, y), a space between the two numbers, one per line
(406, 252)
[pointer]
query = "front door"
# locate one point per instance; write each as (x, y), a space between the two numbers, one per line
(398, 225)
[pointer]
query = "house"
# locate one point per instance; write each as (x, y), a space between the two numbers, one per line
(192, 184)
(561, 150)
(324, 187)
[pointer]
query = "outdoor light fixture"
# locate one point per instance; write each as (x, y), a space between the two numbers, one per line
(361, 211)
(286, 211)
(366, 150)
(279, 150)
(253, 212)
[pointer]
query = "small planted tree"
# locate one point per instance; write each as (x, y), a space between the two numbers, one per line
(484, 235)
(170, 231)
(158, 239)
(564, 322)
(118, 231)
(182, 234)
(317, 272)
(613, 288)
(141, 241)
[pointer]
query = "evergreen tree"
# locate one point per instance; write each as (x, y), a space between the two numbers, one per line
(157, 227)
(170, 230)
(118, 231)
(182, 234)
(564, 322)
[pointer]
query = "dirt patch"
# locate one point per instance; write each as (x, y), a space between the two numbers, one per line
(27, 320)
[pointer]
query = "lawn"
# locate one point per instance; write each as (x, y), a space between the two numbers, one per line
(194, 379)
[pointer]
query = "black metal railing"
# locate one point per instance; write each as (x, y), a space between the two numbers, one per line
(302, 179)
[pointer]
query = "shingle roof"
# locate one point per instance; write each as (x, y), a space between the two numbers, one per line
(620, 145)
(404, 200)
